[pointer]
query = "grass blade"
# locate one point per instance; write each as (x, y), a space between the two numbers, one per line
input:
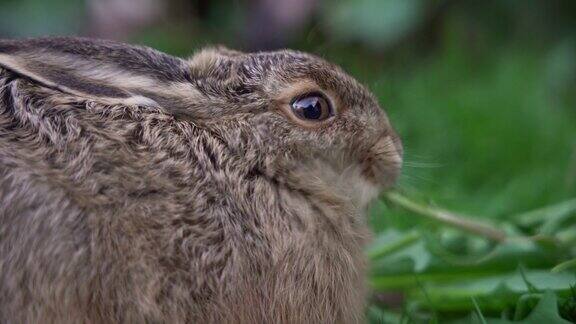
(478, 311)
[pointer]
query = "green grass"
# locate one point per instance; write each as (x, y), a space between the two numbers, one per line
(482, 227)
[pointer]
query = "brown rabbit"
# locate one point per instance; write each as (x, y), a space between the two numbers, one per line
(137, 187)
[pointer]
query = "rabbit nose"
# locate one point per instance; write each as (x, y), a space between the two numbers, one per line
(383, 160)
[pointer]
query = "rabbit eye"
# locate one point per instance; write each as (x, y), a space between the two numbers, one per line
(311, 106)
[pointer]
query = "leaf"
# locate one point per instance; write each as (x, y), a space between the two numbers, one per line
(416, 253)
(546, 312)
(377, 315)
(493, 291)
(550, 217)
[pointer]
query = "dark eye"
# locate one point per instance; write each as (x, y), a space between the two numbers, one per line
(312, 106)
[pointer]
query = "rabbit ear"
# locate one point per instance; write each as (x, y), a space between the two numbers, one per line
(100, 69)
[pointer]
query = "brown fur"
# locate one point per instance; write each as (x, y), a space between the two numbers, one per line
(136, 187)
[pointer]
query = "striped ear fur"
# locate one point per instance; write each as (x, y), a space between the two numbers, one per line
(104, 70)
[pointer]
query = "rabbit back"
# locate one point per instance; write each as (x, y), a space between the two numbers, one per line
(94, 227)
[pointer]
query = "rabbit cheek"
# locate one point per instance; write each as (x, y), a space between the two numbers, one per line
(383, 162)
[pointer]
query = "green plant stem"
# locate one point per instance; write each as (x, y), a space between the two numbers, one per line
(408, 280)
(564, 265)
(395, 246)
(446, 217)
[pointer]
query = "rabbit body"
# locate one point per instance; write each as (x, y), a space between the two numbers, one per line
(140, 188)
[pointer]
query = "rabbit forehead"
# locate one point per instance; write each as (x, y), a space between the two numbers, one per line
(284, 75)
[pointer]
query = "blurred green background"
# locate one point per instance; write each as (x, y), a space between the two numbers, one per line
(483, 94)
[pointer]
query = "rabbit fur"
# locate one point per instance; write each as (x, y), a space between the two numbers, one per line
(137, 187)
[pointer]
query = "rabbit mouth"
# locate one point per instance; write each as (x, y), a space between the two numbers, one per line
(382, 162)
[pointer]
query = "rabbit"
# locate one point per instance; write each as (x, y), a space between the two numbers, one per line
(229, 187)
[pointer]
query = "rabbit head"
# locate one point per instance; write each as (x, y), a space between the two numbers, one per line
(289, 115)
(301, 119)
